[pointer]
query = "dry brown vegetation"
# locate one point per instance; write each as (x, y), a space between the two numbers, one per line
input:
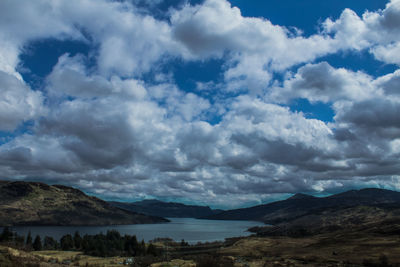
(13, 257)
(333, 249)
(341, 249)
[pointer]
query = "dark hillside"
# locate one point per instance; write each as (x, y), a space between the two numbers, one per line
(31, 203)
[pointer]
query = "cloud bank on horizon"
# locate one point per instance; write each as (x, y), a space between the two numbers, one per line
(115, 119)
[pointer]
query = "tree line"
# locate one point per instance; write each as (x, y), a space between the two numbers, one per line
(101, 245)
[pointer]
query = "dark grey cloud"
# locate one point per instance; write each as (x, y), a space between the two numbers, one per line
(283, 153)
(390, 18)
(321, 82)
(390, 83)
(374, 115)
(344, 134)
(319, 79)
(99, 139)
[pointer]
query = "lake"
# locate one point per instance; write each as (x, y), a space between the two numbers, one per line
(189, 229)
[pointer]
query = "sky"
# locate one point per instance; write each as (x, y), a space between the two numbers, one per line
(213, 102)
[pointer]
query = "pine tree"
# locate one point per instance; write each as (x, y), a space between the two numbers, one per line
(151, 250)
(142, 248)
(77, 241)
(49, 243)
(131, 245)
(29, 240)
(37, 244)
(6, 235)
(66, 242)
(183, 243)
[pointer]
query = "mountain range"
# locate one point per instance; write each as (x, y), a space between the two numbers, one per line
(367, 210)
(33, 203)
(166, 209)
(301, 204)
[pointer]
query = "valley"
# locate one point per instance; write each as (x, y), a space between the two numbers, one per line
(353, 228)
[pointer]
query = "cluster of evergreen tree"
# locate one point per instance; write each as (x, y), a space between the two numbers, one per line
(113, 244)
(11, 238)
(48, 244)
(101, 245)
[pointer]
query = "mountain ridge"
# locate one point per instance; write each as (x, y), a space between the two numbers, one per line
(156, 207)
(35, 203)
(301, 196)
(300, 205)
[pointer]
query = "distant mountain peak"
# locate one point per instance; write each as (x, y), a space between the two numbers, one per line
(300, 196)
(148, 202)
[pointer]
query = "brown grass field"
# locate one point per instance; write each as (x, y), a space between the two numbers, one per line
(333, 249)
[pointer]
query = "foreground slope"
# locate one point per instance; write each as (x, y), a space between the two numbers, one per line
(167, 209)
(31, 203)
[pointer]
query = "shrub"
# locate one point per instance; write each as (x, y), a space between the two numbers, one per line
(214, 261)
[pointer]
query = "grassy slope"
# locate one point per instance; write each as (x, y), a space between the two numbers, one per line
(23, 203)
(321, 250)
(54, 258)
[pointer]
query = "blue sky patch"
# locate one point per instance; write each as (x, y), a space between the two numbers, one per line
(39, 57)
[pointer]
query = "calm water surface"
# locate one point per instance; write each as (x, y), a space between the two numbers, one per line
(192, 230)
